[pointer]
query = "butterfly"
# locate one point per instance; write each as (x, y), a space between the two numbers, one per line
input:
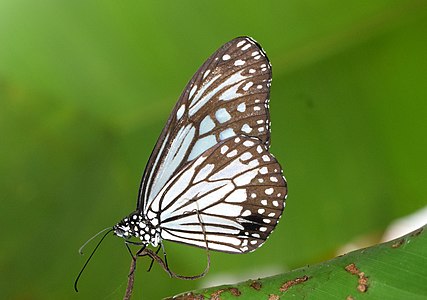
(211, 181)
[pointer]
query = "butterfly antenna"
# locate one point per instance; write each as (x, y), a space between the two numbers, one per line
(93, 252)
(89, 240)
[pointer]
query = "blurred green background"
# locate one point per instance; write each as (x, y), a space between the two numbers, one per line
(86, 87)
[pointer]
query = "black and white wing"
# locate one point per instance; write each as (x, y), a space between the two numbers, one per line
(231, 197)
(228, 96)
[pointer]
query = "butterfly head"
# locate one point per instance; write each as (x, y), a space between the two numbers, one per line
(130, 226)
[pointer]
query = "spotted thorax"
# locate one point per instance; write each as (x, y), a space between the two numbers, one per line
(135, 225)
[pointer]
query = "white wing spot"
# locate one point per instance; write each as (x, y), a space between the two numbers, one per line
(271, 214)
(276, 203)
(265, 157)
(206, 74)
(256, 108)
(241, 107)
(180, 112)
(263, 229)
(264, 202)
(257, 57)
(193, 90)
(259, 149)
(260, 121)
(253, 242)
(226, 57)
(237, 140)
(225, 149)
(255, 53)
(246, 213)
(269, 191)
(248, 143)
(246, 156)
(232, 153)
(261, 211)
(241, 43)
(222, 115)
(267, 221)
(246, 47)
(259, 86)
(246, 128)
(202, 145)
(248, 85)
(260, 129)
(252, 71)
(256, 235)
(206, 125)
(253, 163)
(273, 179)
(253, 195)
(263, 170)
(229, 132)
(239, 62)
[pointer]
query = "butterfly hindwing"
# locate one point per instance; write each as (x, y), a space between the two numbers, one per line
(235, 189)
(227, 96)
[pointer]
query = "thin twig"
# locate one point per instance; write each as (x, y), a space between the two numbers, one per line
(131, 279)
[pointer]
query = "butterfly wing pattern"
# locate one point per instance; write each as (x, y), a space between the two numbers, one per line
(210, 179)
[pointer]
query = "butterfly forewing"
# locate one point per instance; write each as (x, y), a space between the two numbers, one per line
(231, 197)
(228, 96)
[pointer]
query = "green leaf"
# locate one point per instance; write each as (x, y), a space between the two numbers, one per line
(392, 270)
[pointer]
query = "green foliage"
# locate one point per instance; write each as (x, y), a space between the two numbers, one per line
(85, 88)
(393, 270)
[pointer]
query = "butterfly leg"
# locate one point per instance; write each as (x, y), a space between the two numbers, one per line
(163, 263)
(164, 255)
(133, 266)
(207, 254)
(175, 275)
(152, 260)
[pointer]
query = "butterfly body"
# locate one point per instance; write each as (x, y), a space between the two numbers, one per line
(211, 181)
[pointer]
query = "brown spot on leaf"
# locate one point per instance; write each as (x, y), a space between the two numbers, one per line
(398, 243)
(362, 281)
(256, 285)
(352, 269)
(234, 291)
(273, 297)
(293, 282)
